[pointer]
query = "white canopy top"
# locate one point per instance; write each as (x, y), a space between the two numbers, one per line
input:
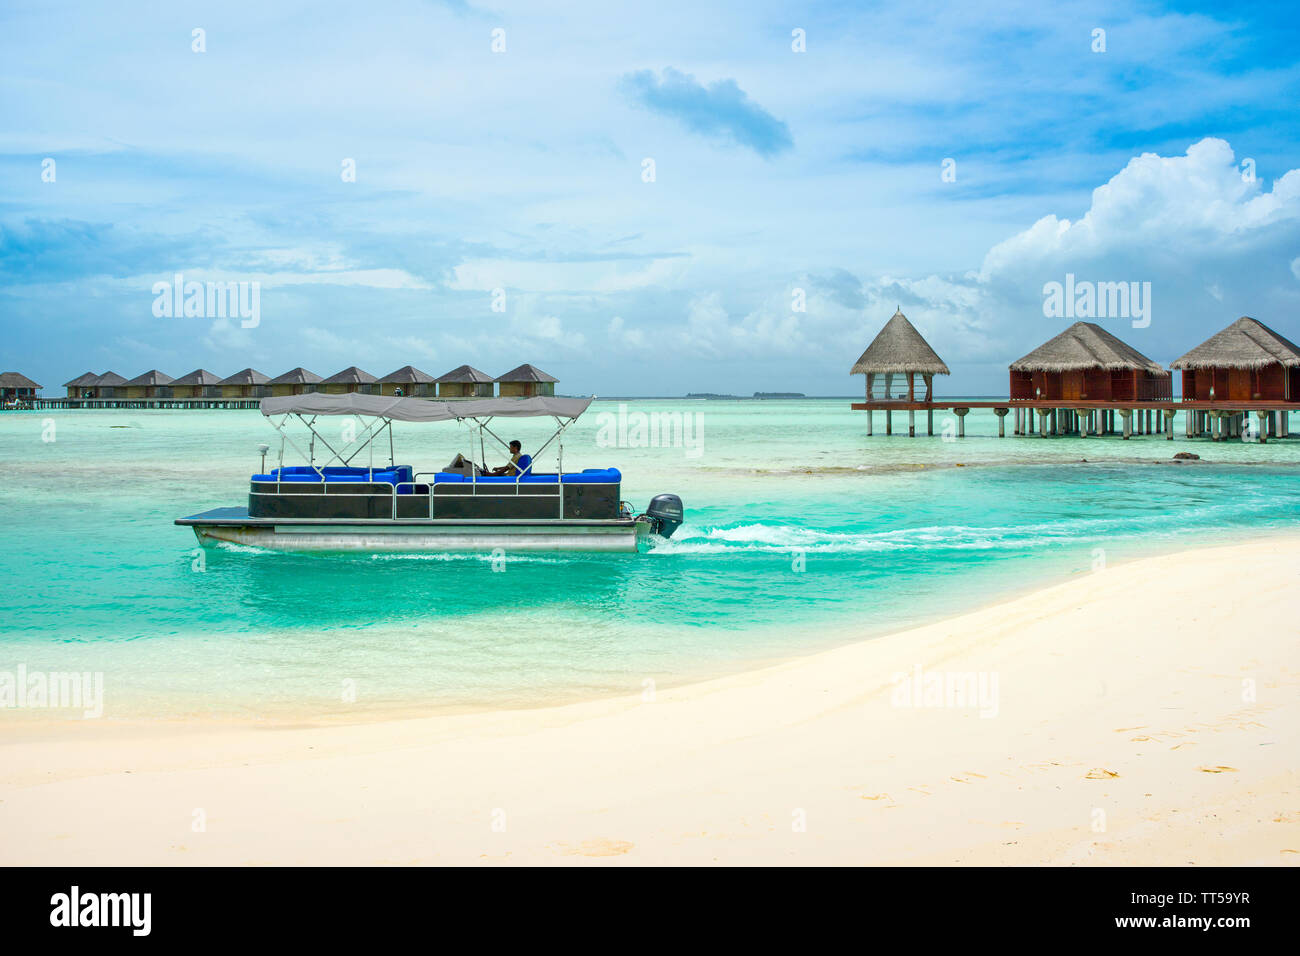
(422, 409)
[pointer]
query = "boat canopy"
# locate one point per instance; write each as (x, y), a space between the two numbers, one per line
(422, 409)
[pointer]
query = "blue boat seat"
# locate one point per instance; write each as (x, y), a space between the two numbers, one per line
(595, 476)
(339, 473)
(404, 478)
(590, 476)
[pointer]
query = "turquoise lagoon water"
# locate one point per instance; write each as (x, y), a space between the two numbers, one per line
(801, 533)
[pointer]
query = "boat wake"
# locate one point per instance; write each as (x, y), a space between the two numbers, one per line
(779, 538)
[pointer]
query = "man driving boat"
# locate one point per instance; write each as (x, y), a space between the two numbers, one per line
(511, 467)
(463, 466)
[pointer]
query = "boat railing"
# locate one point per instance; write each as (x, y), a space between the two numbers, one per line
(334, 489)
(478, 489)
(483, 489)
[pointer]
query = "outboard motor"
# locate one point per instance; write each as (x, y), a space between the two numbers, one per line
(666, 514)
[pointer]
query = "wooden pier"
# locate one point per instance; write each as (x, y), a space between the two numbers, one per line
(41, 404)
(1218, 420)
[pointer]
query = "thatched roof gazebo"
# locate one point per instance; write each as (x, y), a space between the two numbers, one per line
(895, 359)
(408, 381)
(526, 381)
(1247, 361)
(1087, 363)
(351, 379)
(465, 381)
(296, 381)
(893, 363)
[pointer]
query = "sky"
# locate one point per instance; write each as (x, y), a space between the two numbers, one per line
(641, 199)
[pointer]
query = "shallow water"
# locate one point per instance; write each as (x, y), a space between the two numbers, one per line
(800, 531)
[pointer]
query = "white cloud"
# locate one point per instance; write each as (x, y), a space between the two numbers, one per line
(772, 328)
(386, 279)
(1210, 241)
(225, 335)
(1194, 201)
(330, 343)
(411, 346)
(597, 276)
(624, 336)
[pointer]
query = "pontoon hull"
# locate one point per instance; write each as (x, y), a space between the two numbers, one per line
(428, 536)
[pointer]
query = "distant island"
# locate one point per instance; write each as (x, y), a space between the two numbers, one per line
(741, 398)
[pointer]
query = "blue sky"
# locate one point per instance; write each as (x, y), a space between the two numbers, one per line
(524, 170)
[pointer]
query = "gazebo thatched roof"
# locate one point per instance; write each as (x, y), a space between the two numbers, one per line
(407, 374)
(899, 348)
(82, 381)
(350, 376)
(1246, 343)
(200, 376)
(526, 373)
(247, 376)
(297, 376)
(466, 373)
(151, 377)
(1085, 345)
(109, 379)
(16, 380)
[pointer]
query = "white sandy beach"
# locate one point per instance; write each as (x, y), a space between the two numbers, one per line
(1145, 714)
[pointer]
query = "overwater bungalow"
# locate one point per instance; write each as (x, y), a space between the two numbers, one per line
(1246, 362)
(16, 387)
(1087, 363)
(107, 385)
(246, 383)
(465, 382)
(79, 387)
(296, 381)
(199, 383)
(408, 381)
(900, 368)
(526, 381)
(152, 384)
(351, 379)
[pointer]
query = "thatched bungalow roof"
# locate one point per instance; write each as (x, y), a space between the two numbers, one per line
(899, 348)
(1246, 343)
(526, 373)
(247, 376)
(350, 376)
(16, 380)
(152, 377)
(465, 373)
(407, 374)
(296, 376)
(1085, 345)
(200, 376)
(82, 381)
(108, 380)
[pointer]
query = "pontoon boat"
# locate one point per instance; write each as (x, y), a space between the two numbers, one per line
(336, 505)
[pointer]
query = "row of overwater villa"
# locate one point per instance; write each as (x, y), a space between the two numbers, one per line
(1086, 381)
(247, 387)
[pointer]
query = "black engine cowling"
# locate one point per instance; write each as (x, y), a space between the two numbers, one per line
(666, 514)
